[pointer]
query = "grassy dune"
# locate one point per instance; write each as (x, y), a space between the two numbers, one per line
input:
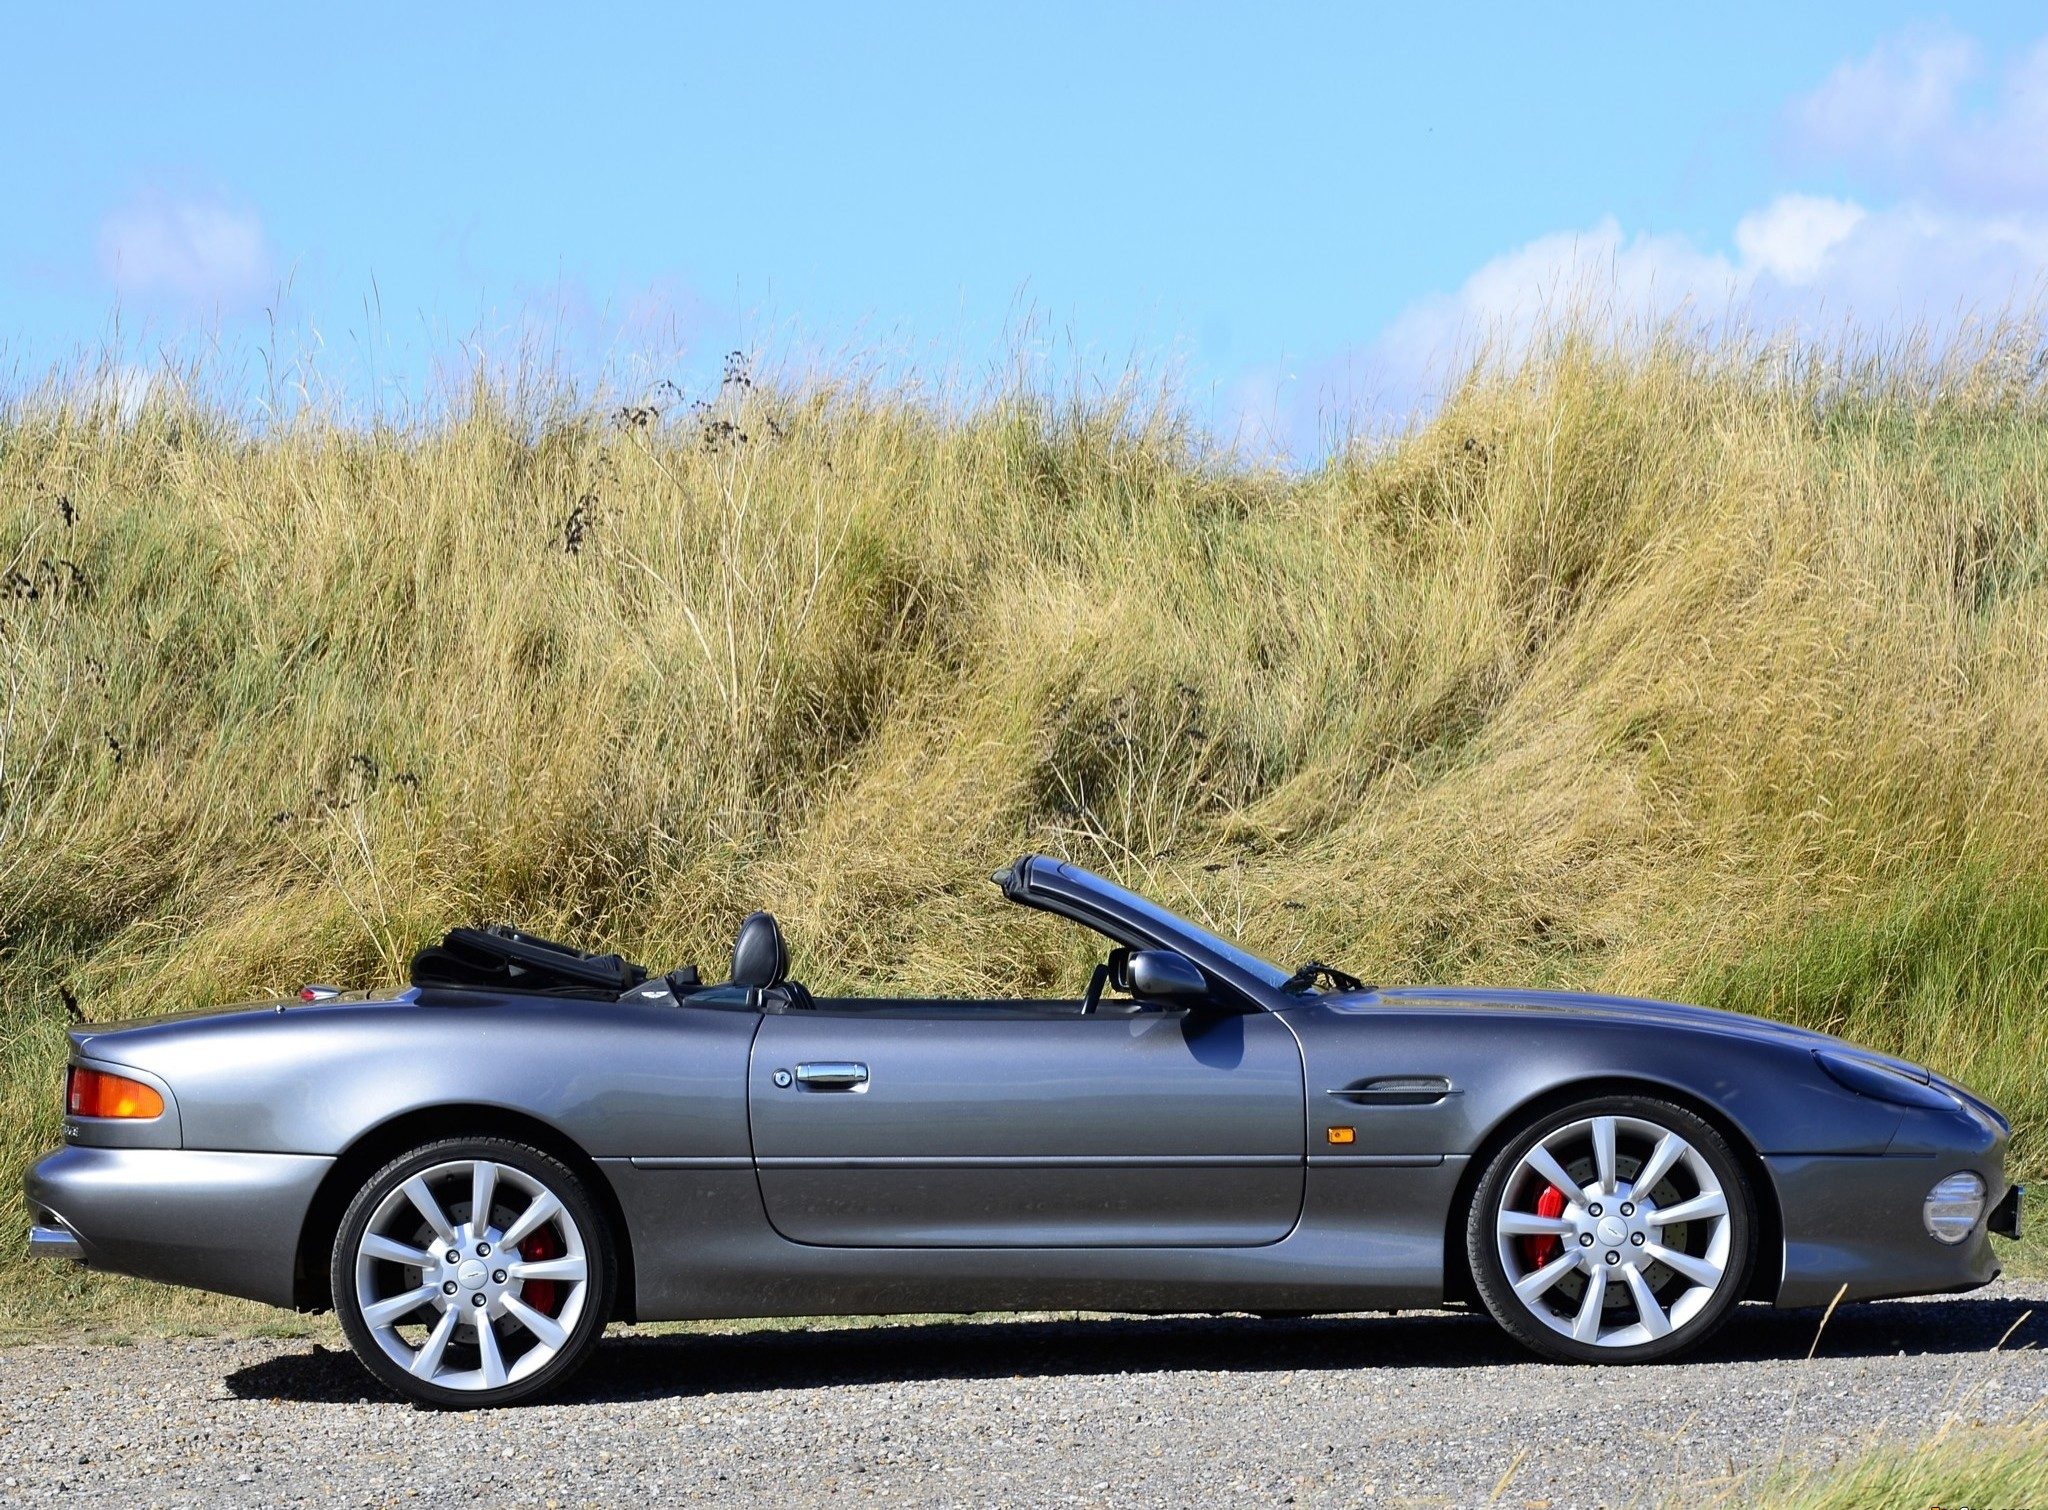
(1692, 673)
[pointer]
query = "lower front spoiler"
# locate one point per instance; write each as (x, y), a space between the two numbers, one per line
(228, 1222)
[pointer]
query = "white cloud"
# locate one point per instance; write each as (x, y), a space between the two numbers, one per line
(1792, 238)
(198, 250)
(1801, 265)
(1955, 232)
(1599, 276)
(1905, 93)
(1922, 265)
(1920, 113)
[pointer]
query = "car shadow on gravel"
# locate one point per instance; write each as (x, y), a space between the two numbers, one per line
(681, 1365)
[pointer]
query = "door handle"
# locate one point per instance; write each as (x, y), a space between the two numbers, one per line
(833, 1075)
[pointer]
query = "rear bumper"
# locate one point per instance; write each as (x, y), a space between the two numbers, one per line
(228, 1222)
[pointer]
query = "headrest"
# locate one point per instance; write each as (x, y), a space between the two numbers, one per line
(758, 955)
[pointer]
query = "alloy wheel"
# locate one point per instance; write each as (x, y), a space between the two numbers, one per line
(472, 1275)
(1615, 1231)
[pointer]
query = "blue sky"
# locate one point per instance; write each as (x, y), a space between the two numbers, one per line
(1292, 208)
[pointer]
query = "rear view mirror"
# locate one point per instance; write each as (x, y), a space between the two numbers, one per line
(1164, 976)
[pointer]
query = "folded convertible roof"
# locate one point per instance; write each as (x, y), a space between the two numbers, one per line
(505, 959)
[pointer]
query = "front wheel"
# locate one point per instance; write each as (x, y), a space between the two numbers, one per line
(472, 1272)
(1615, 1231)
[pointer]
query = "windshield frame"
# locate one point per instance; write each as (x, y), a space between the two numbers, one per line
(1067, 890)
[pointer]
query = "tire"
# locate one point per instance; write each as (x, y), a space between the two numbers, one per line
(1595, 1274)
(546, 1308)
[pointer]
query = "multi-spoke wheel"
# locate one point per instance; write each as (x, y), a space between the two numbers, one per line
(1616, 1231)
(472, 1272)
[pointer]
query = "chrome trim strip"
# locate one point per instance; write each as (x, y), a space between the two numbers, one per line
(727, 1161)
(54, 1242)
(1377, 1160)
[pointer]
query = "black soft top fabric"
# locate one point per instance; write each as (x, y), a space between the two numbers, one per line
(505, 959)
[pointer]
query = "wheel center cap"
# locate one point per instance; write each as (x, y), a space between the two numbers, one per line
(1610, 1230)
(472, 1274)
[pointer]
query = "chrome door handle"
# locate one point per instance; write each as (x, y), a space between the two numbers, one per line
(833, 1075)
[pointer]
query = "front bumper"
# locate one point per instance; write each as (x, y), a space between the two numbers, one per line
(1855, 1224)
(228, 1222)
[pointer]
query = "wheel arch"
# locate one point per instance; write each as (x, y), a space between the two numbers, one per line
(1768, 1269)
(380, 1144)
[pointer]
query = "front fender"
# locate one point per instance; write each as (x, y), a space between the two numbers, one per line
(1495, 1063)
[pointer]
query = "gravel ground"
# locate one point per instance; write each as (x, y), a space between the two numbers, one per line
(1414, 1409)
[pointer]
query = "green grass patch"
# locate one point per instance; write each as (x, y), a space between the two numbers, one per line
(1950, 972)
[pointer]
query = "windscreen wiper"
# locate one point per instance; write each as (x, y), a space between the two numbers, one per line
(1315, 970)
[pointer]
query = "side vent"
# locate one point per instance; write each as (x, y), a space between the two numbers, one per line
(1396, 1090)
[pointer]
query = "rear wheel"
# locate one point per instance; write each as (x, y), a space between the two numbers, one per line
(1619, 1230)
(473, 1271)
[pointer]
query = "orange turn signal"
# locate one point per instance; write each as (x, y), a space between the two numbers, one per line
(95, 1093)
(1343, 1135)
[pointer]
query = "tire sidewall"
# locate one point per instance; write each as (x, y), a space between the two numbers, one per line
(1496, 1290)
(582, 1209)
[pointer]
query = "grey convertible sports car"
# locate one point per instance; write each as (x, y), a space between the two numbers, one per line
(479, 1172)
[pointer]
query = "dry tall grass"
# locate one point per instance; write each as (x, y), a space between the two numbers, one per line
(1692, 672)
(1960, 1464)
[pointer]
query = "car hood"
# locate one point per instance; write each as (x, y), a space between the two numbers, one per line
(1630, 1009)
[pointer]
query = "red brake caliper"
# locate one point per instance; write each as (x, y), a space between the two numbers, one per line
(1539, 1250)
(544, 1295)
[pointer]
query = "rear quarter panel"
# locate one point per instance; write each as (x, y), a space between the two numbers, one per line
(621, 1079)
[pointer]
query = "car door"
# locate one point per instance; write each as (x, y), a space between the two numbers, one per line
(945, 1124)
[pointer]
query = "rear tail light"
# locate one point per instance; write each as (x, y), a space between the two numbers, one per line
(95, 1093)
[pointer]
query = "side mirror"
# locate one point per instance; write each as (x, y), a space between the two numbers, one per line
(1164, 976)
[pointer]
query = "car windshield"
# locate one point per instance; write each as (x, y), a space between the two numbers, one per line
(1270, 974)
